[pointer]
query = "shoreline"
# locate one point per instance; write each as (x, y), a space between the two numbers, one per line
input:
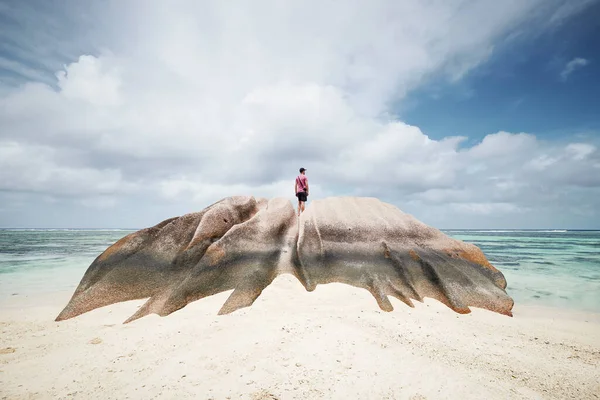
(331, 343)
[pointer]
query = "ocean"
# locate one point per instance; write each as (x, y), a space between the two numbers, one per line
(545, 267)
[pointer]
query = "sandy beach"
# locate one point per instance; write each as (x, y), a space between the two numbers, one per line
(333, 343)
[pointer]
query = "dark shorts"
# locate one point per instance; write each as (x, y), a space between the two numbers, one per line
(302, 196)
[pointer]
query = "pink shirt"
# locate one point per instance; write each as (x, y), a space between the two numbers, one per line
(302, 182)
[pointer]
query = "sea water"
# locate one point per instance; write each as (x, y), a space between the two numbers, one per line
(547, 267)
(49, 260)
(544, 267)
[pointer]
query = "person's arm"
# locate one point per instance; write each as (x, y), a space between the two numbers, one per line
(295, 187)
(306, 186)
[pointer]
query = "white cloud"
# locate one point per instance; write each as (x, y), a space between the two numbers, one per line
(568, 9)
(486, 208)
(542, 162)
(199, 100)
(572, 66)
(42, 169)
(580, 151)
(85, 80)
(498, 145)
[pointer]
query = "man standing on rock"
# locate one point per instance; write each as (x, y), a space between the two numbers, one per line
(301, 189)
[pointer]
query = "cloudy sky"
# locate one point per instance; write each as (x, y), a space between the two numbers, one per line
(466, 113)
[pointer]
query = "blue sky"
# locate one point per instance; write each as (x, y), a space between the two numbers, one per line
(466, 114)
(520, 88)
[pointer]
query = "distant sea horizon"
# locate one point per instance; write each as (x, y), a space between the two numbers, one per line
(441, 229)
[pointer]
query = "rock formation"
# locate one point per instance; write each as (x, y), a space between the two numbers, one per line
(243, 243)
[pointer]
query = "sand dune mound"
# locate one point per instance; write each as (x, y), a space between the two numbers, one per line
(243, 243)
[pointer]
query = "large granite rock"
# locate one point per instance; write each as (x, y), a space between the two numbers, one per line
(243, 243)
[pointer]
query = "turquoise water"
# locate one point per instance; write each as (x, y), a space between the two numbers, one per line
(552, 268)
(37, 260)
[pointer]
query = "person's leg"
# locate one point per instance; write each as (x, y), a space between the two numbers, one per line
(303, 205)
(299, 207)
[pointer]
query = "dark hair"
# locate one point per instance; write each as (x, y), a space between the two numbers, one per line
(302, 170)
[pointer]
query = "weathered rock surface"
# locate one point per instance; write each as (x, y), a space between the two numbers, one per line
(243, 243)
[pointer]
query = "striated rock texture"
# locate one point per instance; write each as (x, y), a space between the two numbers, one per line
(243, 243)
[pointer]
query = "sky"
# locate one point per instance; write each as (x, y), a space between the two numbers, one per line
(473, 114)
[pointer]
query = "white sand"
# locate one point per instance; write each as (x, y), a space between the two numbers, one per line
(333, 343)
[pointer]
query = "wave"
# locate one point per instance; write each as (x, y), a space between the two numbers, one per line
(475, 231)
(543, 262)
(507, 230)
(65, 230)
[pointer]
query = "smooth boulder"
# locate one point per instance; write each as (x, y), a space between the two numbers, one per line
(242, 243)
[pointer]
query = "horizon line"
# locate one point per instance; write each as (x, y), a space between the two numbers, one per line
(442, 229)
